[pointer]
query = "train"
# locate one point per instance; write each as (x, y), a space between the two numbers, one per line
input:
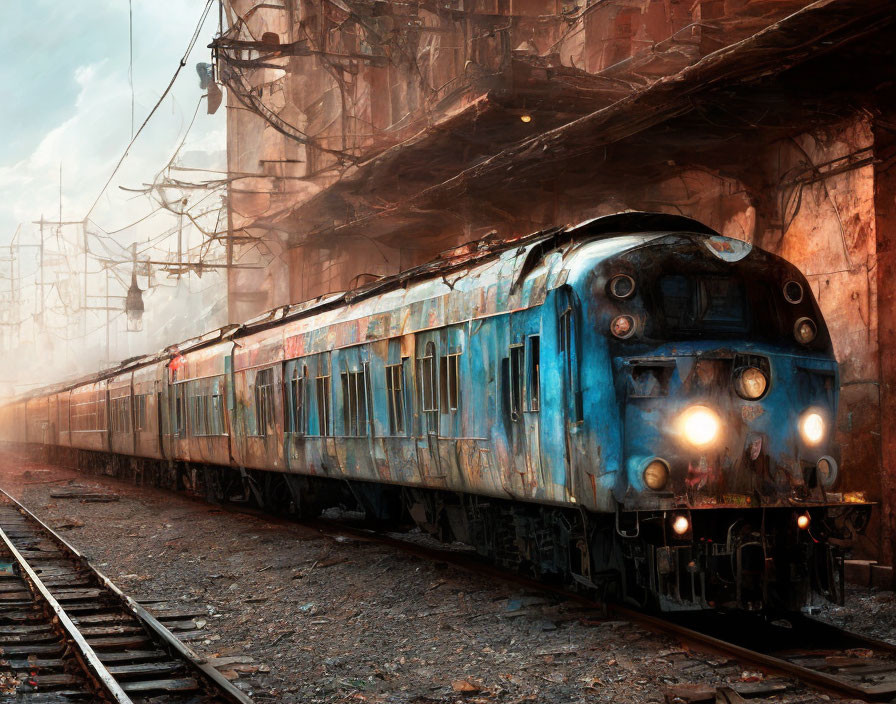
(636, 406)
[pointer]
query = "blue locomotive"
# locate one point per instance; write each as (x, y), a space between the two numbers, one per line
(636, 405)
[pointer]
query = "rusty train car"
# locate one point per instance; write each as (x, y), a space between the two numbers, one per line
(636, 405)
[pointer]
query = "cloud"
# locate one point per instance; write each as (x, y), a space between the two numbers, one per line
(82, 119)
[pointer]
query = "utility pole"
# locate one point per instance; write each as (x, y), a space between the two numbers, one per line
(41, 291)
(59, 224)
(84, 299)
(108, 356)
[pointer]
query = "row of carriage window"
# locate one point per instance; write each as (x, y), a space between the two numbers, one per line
(309, 401)
(87, 413)
(198, 408)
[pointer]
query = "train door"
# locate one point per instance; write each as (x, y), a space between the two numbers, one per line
(523, 400)
(269, 414)
(354, 415)
(568, 336)
(428, 350)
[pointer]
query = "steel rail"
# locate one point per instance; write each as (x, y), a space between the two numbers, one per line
(190, 657)
(815, 678)
(86, 653)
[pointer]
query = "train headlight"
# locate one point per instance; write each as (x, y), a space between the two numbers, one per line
(656, 475)
(812, 427)
(751, 383)
(700, 425)
(804, 331)
(623, 326)
(622, 286)
(681, 524)
(793, 291)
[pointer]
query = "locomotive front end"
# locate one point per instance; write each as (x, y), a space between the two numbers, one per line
(728, 387)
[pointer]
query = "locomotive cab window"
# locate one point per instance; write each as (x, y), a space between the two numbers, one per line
(703, 303)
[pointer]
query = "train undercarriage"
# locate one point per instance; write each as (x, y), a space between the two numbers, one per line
(739, 559)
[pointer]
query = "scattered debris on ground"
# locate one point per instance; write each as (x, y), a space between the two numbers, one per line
(871, 612)
(292, 615)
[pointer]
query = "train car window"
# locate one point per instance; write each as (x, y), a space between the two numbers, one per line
(196, 419)
(516, 381)
(140, 412)
(449, 382)
(395, 397)
(297, 399)
(323, 404)
(429, 390)
(217, 414)
(120, 411)
(264, 402)
(65, 413)
(180, 415)
(533, 376)
(354, 403)
(206, 414)
(83, 412)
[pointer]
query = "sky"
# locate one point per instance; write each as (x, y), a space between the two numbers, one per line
(68, 101)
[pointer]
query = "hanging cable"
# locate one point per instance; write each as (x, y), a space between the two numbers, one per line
(131, 60)
(183, 62)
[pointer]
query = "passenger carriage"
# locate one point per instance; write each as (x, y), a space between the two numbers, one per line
(636, 403)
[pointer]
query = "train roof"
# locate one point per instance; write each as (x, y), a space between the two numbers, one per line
(535, 246)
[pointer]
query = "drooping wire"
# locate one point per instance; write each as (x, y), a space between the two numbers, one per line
(183, 62)
(131, 60)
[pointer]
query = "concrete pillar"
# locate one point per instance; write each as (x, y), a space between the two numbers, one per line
(885, 229)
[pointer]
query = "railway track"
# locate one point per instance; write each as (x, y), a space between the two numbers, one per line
(802, 648)
(68, 634)
(808, 650)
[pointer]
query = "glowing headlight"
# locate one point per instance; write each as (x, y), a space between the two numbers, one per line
(680, 524)
(700, 425)
(656, 475)
(812, 428)
(751, 383)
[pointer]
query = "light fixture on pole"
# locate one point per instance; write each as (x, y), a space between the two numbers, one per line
(133, 304)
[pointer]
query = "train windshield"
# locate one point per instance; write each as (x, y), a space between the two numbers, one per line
(703, 303)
